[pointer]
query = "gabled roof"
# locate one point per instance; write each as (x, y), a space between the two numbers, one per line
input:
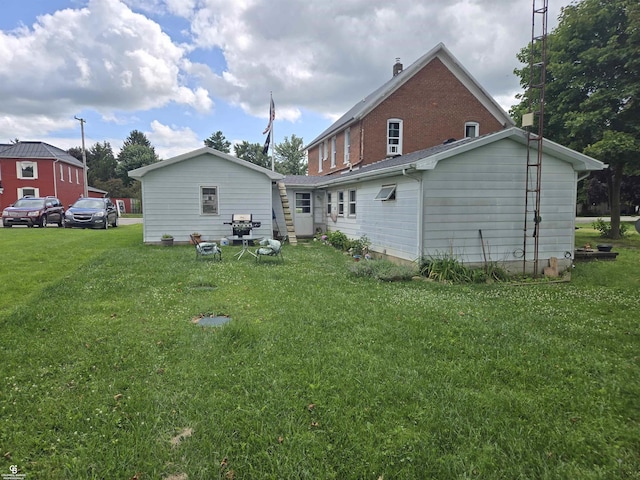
(428, 158)
(368, 103)
(37, 150)
(138, 173)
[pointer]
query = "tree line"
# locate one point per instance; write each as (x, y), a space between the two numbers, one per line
(108, 172)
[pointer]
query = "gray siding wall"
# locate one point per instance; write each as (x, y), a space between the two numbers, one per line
(171, 199)
(485, 190)
(390, 226)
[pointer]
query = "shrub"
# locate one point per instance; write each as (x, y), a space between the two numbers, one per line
(382, 270)
(338, 240)
(449, 269)
(605, 228)
(359, 246)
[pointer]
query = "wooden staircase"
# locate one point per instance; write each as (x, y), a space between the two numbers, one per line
(288, 219)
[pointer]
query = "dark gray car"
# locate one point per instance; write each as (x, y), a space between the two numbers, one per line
(91, 213)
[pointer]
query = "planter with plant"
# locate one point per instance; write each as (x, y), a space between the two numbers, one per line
(166, 240)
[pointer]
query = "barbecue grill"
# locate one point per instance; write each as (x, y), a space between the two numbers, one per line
(242, 224)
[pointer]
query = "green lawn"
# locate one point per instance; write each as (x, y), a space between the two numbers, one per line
(319, 374)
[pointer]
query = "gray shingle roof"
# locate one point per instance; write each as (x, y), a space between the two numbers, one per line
(36, 150)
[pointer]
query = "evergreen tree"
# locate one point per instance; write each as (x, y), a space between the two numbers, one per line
(218, 142)
(290, 157)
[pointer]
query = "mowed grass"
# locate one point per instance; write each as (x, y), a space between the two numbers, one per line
(318, 375)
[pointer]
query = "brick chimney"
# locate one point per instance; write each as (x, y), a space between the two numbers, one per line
(397, 67)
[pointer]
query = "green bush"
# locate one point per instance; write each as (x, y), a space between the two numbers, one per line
(338, 240)
(449, 269)
(605, 228)
(383, 270)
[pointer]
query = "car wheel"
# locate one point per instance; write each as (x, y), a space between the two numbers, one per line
(7, 225)
(43, 221)
(60, 223)
(106, 223)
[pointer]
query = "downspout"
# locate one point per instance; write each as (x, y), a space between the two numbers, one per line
(420, 214)
(55, 179)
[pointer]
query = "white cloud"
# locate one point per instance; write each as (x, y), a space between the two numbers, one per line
(170, 141)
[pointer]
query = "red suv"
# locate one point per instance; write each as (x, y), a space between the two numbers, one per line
(32, 211)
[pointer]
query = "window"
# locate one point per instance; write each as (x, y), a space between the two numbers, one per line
(328, 203)
(28, 192)
(209, 196)
(394, 137)
(303, 202)
(471, 129)
(387, 192)
(341, 203)
(347, 144)
(61, 174)
(352, 203)
(333, 152)
(77, 177)
(320, 157)
(325, 150)
(69, 169)
(27, 170)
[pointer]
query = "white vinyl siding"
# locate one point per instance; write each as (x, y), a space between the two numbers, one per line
(173, 203)
(484, 190)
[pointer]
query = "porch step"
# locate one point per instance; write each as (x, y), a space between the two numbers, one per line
(288, 219)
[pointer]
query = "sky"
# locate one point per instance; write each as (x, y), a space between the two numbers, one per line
(181, 70)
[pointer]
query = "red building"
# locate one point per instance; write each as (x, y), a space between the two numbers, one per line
(39, 169)
(433, 101)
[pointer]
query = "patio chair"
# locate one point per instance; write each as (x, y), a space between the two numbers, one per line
(270, 247)
(204, 249)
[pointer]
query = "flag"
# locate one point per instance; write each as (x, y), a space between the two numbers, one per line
(272, 117)
(265, 149)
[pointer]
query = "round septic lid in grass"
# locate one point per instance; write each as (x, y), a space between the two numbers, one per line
(210, 321)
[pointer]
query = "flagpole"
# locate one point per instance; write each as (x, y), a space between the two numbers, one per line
(273, 169)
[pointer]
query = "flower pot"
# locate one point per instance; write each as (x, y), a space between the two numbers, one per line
(604, 248)
(198, 238)
(167, 242)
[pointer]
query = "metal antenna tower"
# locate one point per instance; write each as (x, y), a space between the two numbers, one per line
(532, 121)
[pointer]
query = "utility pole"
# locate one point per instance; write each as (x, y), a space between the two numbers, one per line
(84, 157)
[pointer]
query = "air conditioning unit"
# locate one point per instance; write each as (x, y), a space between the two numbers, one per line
(393, 150)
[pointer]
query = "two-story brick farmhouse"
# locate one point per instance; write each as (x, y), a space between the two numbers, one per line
(432, 101)
(38, 169)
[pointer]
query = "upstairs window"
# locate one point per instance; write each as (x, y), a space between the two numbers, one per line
(209, 200)
(69, 169)
(325, 153)
(320, 157)
(61, 174)
(347, 144)
(28, 192)
(27, 170)
(333, 152)
(394, 137)
(471, 129)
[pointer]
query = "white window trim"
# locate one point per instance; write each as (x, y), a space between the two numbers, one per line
(393, 149)
(325, 153)
(476, 126)
(22, 165)
(329, 204)
(69, 168)
(320, 157)
(61, 173)
(333, 151)
(341, 203)
(36, 191)
(77, 177)
(202, 212)
(386, 192)
(347, 144)
(352, 203)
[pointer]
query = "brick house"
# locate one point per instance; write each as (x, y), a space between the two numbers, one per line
(38, 169)
(432, 101)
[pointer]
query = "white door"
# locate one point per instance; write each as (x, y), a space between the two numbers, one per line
(303, 219)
